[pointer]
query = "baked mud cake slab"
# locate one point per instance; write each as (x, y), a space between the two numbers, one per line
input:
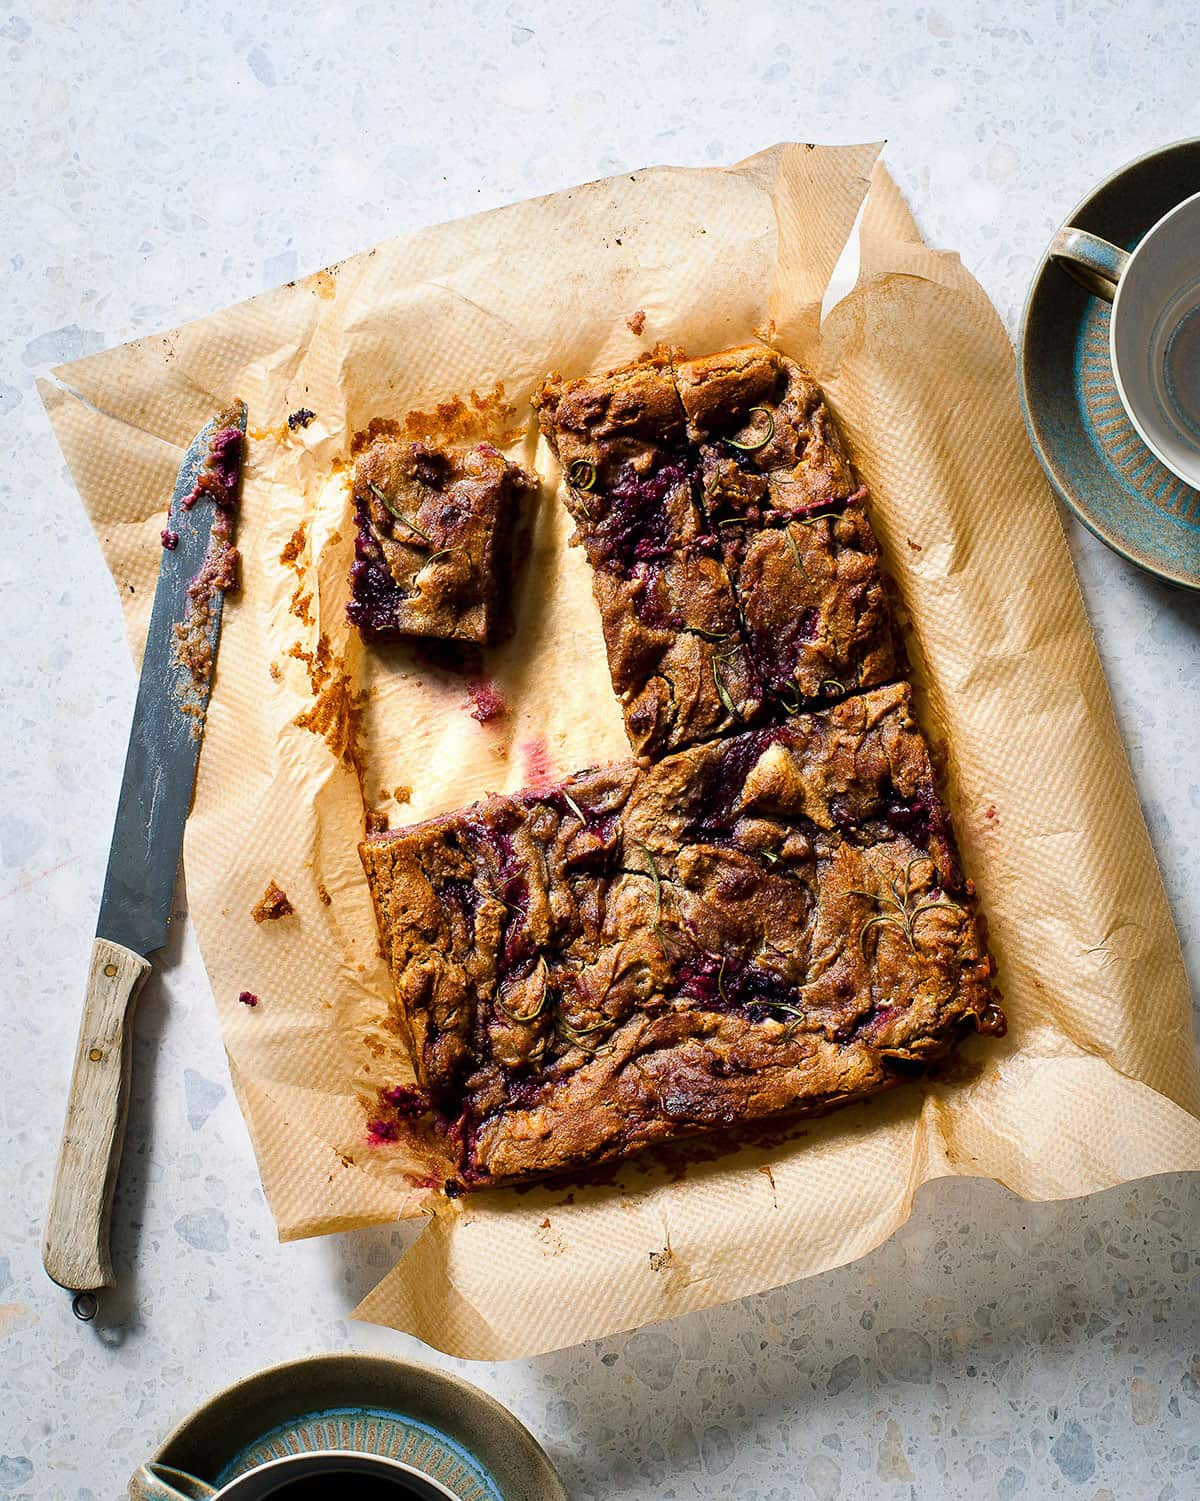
(767, 925)
(736, 572)
(435, 539)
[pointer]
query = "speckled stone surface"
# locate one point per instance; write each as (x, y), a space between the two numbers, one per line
(155, 169)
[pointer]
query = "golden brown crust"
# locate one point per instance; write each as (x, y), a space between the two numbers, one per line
(768, 924)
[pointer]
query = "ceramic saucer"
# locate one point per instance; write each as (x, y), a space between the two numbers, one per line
(374, 1405)
(1087, 445)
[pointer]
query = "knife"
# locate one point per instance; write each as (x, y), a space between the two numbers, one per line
(156, 793)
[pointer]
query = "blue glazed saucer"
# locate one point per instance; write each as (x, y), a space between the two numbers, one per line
(369, 1404)
(1087, 445)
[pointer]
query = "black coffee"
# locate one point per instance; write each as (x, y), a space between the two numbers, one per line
(351, 1484)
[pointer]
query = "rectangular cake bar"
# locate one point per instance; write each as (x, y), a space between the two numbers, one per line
(769, 924)
(667, 609)
(737, 576)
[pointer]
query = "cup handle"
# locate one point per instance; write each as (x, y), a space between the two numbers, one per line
(1095, 264)
(154, 1482)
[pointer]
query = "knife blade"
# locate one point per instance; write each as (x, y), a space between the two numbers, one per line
(156, 793)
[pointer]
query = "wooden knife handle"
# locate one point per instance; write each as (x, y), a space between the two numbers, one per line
(75, 1249)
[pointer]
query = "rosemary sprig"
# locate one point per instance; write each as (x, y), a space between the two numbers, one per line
(581, 474)
(795, 552)
(442, 552)
(393, 510)
(760, 442)
(722, 692)
(575, 1036)
(654, 876)
(523, 1017)
(699, 630)
(574, 806)
(797, 1013)
(833, 684)
(902, 915)
(721, 981)
(504, 902)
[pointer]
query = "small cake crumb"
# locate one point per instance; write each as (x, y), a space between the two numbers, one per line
(170, 539)
(326, 899)
(402, 794)
(301, 417)
(294, 546)
(274, 904)
(375, 822)
(248, 998)
(636, 321)
(274, 671)
(486, 703)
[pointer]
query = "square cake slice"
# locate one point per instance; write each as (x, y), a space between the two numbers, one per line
(767, 925)
(814, 607)
(433, 553)
(667, 609)
(766, 438)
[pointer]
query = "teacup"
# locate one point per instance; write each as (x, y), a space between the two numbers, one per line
(297, 1477)
(1154, 335)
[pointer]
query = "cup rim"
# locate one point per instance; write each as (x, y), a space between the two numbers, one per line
(357, 1459)
(1147, 438)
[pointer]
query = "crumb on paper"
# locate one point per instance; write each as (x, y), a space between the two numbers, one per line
(765, 1169)
(299, 606)
(273, 905)
(275, 672)
(301, 417)
(636, 322)
(320, 664)
(486, 703)
(375, 822)
(248, 998)
(323, 895)
(661, 1260)
(397, 1104)
(491, 417)
(916, 546)
(294, 546)
(402, 794)
(336, 717)
(170, 539)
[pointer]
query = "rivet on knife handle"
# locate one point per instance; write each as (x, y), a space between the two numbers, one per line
(75, 1252)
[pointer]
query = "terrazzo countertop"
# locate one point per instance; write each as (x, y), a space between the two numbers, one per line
(153, 171)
